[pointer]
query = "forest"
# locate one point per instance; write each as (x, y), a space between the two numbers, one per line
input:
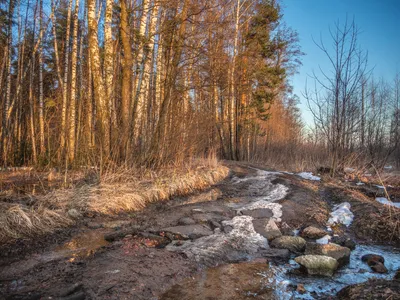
(152, 148)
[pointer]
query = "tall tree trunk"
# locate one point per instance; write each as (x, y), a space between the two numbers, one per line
(232, 102)
(72, 105)
(127, 64)
(41, 104)
(99, 88)
(65, 84)
(109, 56)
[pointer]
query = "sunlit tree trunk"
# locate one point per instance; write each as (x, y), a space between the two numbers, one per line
(102, 110)
(109, 55)
(72, 105)
(41, 104)
(65, 84)
(127, 63)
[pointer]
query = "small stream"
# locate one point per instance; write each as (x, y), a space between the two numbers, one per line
(284, 282)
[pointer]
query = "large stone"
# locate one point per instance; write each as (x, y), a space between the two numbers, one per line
(186, 221)
(208, 217)
(376, 262)
(192, 231)
(267, 228)
(275, 253)
(344, 241)
(258, 213)
(293, 243)
(318, 264)
(312, 232)
(341, 254)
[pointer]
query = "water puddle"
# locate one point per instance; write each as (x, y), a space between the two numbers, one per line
(82, 245)
(232, 281)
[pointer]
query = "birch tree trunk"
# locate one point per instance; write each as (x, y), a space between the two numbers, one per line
(65, 87)
(99, 89)
(232, 102)
(108, 55)
(41, 104)
(72, 105)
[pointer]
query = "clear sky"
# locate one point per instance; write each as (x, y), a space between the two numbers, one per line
(378, 20)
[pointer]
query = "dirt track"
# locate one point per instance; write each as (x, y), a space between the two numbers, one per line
(134, 263)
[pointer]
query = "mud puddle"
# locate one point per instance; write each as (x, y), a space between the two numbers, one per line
(82, 245)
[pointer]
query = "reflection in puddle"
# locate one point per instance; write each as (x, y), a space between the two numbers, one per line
(83, 245)
(232, 281)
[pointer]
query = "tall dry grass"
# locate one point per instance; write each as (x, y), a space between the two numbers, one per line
(118, 190)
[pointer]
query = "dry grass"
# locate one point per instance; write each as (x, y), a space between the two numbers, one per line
(118, 191)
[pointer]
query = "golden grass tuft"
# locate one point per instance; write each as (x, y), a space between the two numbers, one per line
(119, 191)
(17, 221)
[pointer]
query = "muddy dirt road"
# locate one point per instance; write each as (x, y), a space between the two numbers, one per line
(190, 248)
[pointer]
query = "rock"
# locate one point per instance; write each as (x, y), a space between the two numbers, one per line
(227, 229)
(267, 228)
(117, 235)
(275, 253)
(192, 231)
(397, 275)
(341, 254)
(301, 289)
(186, 221)
(344, 241)
(375, 262)
(373, 259)
(207, 217)
(214, 224)
(116, 224)
(292, 243)
(72, 289)
(73, 213)
(94, 225)
(318, 264)
(258, 213)
(312, 232)
(379, 268)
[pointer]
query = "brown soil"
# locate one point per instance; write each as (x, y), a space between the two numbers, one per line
(373, 289)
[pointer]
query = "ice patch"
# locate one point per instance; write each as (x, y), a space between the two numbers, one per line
(385, 201)
(276, 208)
(309, 176)
(320, 287)
(341, 214)
(324, 240)
(239, 244)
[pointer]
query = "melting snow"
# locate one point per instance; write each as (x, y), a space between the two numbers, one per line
(385, 201)
(324, 240)
(309, 176)
(341, 214)
(241, 242)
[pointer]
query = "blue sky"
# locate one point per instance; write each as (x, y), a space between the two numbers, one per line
(378, 20)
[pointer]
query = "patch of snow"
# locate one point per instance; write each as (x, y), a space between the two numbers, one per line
(240, 243)
(385, 201)
(379, 186)
(276, 208)
(289, 173)
(296, 232)
(341, 214)
(309, 176)
(388, 167)
(324, 240)
(367, 175)
(360, 183)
